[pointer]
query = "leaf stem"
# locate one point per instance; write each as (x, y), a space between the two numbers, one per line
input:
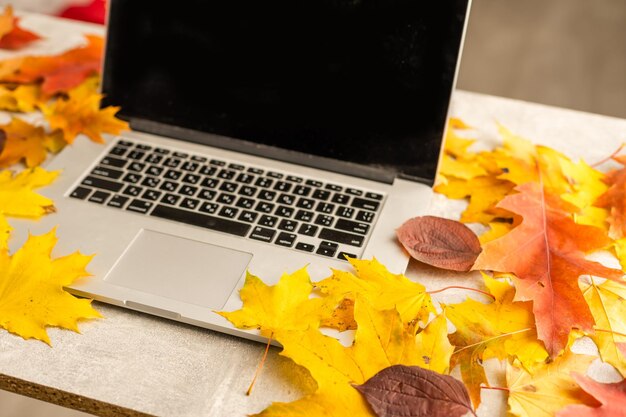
(462, 288)
(260, 366)
(608, 158)
(495, 388)
(610, 331)
(492, 338)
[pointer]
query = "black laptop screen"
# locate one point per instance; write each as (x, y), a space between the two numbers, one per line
(361, 81)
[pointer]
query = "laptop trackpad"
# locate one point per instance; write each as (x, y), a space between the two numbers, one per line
(181, 269)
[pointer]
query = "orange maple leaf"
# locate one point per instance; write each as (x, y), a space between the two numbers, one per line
(546, 252)
(58, 73)
(12, 36)
(614, 199)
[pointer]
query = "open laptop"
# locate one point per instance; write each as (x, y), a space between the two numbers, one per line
(266, 136)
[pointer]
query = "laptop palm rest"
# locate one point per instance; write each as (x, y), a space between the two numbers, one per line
(181, 269)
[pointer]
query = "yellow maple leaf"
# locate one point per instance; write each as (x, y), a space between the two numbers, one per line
(17, 195)
(31, 289)
(607, 303)
(549, 389)
(81, 113)
(5, 232)
(22, 98)
(381, 340)
(460, 168)
(496, 230)
(281, 307)
(27, 142)
(499, 329)
(381, 288)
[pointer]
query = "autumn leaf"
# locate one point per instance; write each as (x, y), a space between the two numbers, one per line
(412, 391)
(28, 143)
(611, 399)
(440, 242)
(614, 201)
(31, 289)
(342, 318)
(501, 329)
(12, 36)
(607, 302)
(546, 252)
(17, 195)
(58, 73)
(20, 98)
(549, 389)
(381, 288)
(5, 232)
(81, 113)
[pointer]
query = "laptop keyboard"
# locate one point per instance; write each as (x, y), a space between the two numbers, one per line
(270, 206)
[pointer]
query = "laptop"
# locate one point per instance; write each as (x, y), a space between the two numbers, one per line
(266, 136)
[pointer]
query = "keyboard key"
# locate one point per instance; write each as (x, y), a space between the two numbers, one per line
(113, 162)
(153, 158)
(173, 175)
(321, 194)
(136, 166)
(313, 183)
(340, 198)
(261, 233)
(293, 178)
(374, 196)
(188, 190)
(354, 191)
(172, 162)
(124, 143)
(248, 216)
(346, 212)
(139, 206)
(237, 167)
(133, 190)
(198, 219)
(353, 227)
(342, 237)
(209, 208)
(304, 215)
(325, 208)
(143, 147)
(264, 207)
(208, 170)
(225, 198)
(207, 194)
(191, 178)
(182, 155)
(306, 203)
(190, 166)
(226, 174)
(268, 221)
(245, 178)
(284, 211)
(365, 204)
(161, 151)
(132, 178)
(189, 203)
(229, 212)
(344, 255)
(327, 249)
(308, 229)
(99, 197)
(266, 195)
(288, 225)
(154, 170)
(302, 190)
(150, 182)
(230, 187)
(244, 202)
(197, 158)
(102, 184)
(151, 195)
(169, 186)
(137, 155)
(257, 171)
(286, 199)
(282, 186)
(285, 239)
(170, 199)
(247, 191)
(365, 216)
(209, 182)
(81, 193)
(305, 247)
(107, 172)
(324, 220)
(333, 187)
(264, 182)
(273, 174)
(217, 162)
(118, 151)
(117, 201)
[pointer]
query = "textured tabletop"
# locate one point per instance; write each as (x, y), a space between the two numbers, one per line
(134, 363)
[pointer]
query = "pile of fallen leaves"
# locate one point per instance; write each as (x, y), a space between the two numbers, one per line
(63, 90)
(543, 213)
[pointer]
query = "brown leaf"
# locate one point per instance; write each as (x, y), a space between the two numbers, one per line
(411, 391)
(440, 242)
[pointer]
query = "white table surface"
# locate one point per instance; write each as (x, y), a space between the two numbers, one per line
(155, 366)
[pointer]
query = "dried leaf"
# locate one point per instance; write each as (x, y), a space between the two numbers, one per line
(12, 36)
(611, 399)
(411, 391)
(28, 143)
(17, 196)
(546, 252)
(440, 242)
(342, 318)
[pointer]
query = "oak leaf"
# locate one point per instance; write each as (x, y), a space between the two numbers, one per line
(81, 113)
(381, 288)
(31, 289)
(28, 143)
(611, 399)
(12, 35)
(546, 252)
(17, 195)
(500, 329)
(412, 391)
(440, 242)
(549, 389)
(614, 201)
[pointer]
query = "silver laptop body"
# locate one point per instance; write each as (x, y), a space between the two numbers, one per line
(312, 133)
